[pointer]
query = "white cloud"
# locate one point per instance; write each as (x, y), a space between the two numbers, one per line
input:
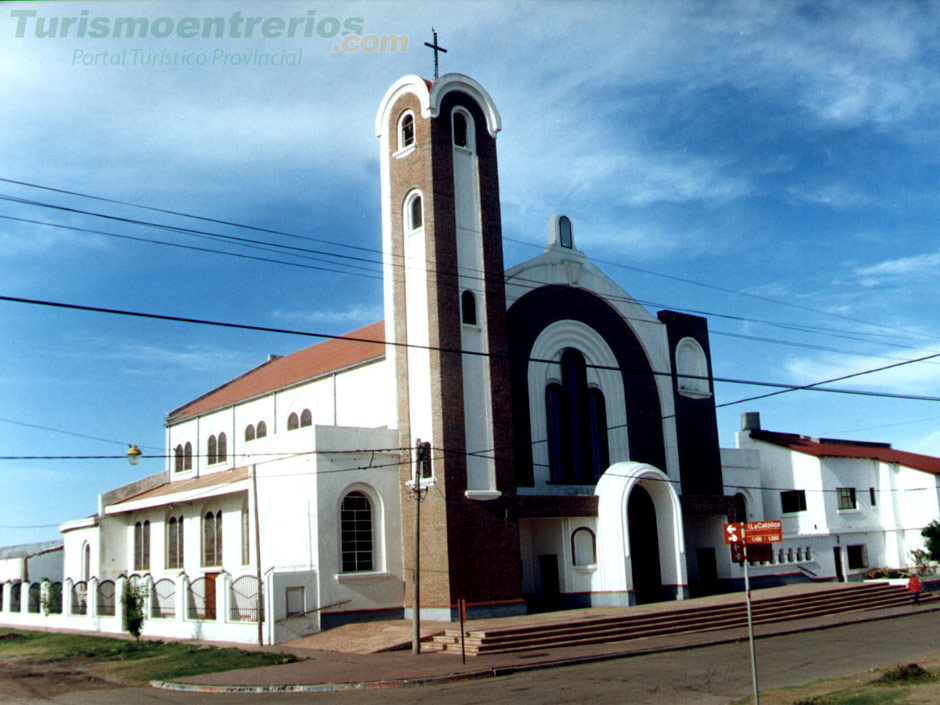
(352, 315)
(919, 378)
(910, 267)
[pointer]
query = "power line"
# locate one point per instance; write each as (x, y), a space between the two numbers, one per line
(270, 329)
(521, 281)
(68, 433)
(620, 265)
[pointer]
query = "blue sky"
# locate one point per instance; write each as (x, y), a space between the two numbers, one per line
(771, 165)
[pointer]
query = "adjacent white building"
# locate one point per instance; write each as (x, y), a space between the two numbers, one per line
(846, 506)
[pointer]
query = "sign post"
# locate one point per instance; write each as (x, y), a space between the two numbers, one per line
(740, 536)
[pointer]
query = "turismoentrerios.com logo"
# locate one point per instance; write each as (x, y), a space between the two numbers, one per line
(349, 32)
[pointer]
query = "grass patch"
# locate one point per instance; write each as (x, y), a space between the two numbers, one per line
(894, 685)
(907, 673)
(125, 660)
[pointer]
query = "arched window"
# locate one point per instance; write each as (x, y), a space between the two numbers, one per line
(692, 369)
(740, 508)
(306, 418)
(174, 543)
(262, 430)
(460, 129)
(212, 539)
(356, 533)
(86, 562)
(415, 213)
(583, 547)
(178, 459)
(597, 430)
(223, 451)
(565, 237)
(249, 432)
(468, 308)
(576, 420)
(142, 545)
(212, 459)
(188, 456)
(406, 130)
(293, 422)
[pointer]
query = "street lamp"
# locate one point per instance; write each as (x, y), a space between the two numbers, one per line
(133, 455)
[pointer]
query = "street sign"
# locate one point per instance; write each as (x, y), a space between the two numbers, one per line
(733, 533)
(763, 532)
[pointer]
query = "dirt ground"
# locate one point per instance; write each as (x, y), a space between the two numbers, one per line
(923, 694)
(22, 681)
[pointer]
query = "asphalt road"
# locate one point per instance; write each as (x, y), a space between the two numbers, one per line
(710, 675)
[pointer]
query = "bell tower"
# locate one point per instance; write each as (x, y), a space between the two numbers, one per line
(445, 313)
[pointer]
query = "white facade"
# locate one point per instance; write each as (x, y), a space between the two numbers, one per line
(845, 507)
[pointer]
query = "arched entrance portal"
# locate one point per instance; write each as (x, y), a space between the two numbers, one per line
(644, 547)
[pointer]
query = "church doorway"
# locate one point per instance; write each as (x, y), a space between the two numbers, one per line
(644, 547)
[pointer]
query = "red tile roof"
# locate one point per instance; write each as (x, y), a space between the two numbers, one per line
(287, 371)
(835, 448)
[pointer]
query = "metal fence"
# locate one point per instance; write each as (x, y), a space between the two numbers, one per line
(245, 602)
(163, 599)
(105, 602)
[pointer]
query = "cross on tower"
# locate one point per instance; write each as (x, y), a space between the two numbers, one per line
(436, 49)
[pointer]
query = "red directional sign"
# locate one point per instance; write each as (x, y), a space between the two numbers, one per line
(763, 532)
(733, 533)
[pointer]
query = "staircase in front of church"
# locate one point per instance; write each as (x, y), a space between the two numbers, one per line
(545, 635)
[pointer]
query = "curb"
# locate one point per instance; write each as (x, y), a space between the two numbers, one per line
(331, 687)
(497, 671)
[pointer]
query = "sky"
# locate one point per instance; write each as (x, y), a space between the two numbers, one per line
(772, 166)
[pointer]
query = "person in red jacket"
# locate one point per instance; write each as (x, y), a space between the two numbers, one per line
(913, 587)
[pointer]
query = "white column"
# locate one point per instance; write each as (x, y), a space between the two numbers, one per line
(92, 597)
(182, 596)
(67, 597)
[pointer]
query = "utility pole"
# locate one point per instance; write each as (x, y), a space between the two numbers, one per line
(420, 451)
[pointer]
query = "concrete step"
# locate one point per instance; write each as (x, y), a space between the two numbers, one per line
(621, 628)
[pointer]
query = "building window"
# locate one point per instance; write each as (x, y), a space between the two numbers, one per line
(212, 457)
(142, 545)
(249, 433)
(246, 552)
(858, 556)
(583, 547)
(356, 533)
(174, 543)
(406, 130)
(793, 501)
(468, 308)
(416, 211)
(293, 422)
(460, 129)
(565, 237)
(262, 430)
(188, 456)
(294, 598)
(306, 418)
(597, 429)
(846, 497)
(223, 451)
(576, 419)
(86, 563)
(178, 459)
(212, 539)
(873, 496)
(691, 369)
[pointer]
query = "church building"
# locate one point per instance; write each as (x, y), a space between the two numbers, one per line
(563, 438)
